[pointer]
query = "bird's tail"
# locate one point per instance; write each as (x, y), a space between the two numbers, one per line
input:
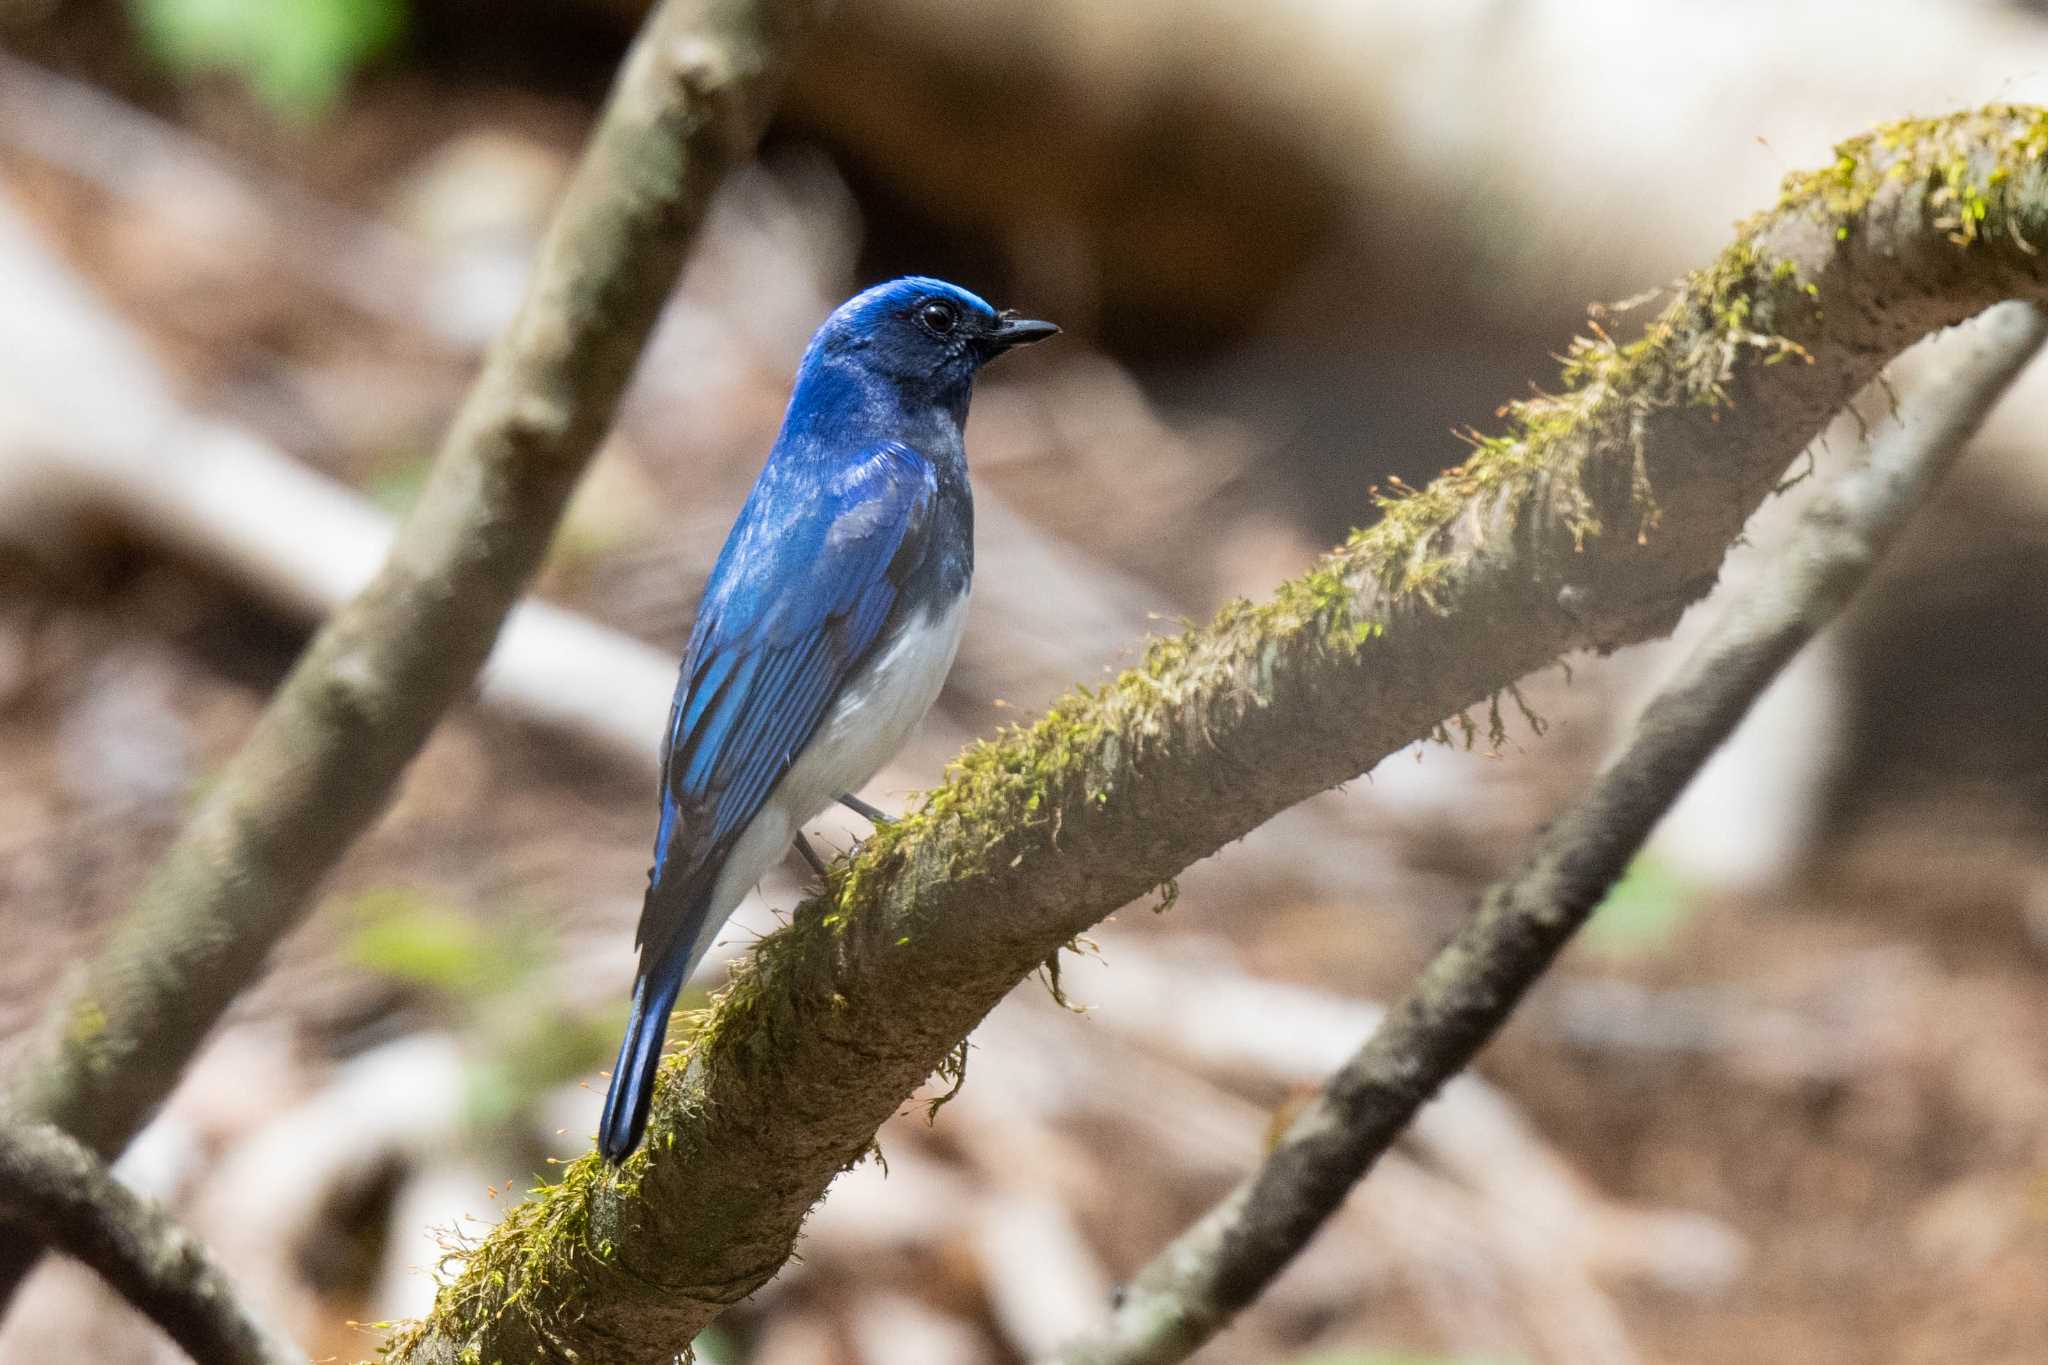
(632, 1088)
(664, 967)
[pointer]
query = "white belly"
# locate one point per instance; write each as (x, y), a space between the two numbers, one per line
(874, 713)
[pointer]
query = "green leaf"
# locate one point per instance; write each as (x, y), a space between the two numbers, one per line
(296, 55)
(1643, 911)
(400, 933)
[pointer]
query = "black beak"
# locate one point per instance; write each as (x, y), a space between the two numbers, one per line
(1011, 330)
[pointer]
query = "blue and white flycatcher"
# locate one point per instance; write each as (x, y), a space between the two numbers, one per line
(825, 632)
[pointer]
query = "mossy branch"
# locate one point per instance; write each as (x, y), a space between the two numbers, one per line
(67, 1199)
(1593, 522)
(1193, 1288)
(687, 107)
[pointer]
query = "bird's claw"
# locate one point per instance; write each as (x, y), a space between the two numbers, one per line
(874, 815)
(810, 856)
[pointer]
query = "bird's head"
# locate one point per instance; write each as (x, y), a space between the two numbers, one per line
(923, 336)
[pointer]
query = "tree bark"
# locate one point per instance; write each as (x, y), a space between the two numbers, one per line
(65, 1198)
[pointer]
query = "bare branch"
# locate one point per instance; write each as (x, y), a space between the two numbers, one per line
(65, 1198)
(1198, 1283)
(1595, 522)
(688, 105)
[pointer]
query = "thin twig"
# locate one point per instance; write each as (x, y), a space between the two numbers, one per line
(1205, 1276)
(687, 108)
(66, 1198)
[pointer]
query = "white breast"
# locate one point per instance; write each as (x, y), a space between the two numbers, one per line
(874, 713)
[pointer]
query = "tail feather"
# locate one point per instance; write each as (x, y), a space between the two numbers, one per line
(632, 1089)
(672, 944)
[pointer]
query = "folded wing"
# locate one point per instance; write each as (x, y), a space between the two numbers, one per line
(795, 603)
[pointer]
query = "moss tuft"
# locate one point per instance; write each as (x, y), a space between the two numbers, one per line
(527, 1265)
(952, 1070)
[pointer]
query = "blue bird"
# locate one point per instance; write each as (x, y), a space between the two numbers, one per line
(825, 631)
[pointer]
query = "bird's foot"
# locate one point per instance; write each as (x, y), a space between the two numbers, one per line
(872, 814)
(810, 856)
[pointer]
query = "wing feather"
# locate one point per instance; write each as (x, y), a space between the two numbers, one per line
(799, 596)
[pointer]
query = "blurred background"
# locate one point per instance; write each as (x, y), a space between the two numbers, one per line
(1788, 1098)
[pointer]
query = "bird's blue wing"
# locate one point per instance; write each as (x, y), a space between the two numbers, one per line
(798, 597)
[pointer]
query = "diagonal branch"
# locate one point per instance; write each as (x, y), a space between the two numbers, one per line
(1603, 513)
(687, 107)
(66, 1198)
(1193, 1288)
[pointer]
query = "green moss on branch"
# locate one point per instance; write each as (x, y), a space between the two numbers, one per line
(1593, 519)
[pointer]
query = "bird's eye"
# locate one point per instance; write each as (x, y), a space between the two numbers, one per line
(939, 318)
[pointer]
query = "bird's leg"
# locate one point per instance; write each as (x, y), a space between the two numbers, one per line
(871, 814)
(810, 856)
